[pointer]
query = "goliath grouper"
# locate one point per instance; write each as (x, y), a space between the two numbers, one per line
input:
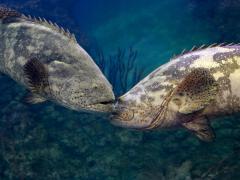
(188, 92)
(49, 62)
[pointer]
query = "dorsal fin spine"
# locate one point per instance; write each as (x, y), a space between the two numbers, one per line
(55, 26)
(50, 22)
(68, 32)
(212, 45)
(63, 31)
(193, 48)
(45, 20)
(203, 47)
(73, 37)
(221, 44)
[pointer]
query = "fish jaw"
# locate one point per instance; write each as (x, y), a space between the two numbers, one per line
(127, 114)
(102, 107)
(87, 94)
(105, 104)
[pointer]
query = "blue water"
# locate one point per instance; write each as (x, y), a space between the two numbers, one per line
(47, 141)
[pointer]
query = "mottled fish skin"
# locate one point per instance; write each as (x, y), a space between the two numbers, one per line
(148, 105)
(74, 79)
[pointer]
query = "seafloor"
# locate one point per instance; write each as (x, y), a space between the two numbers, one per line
(50, 142)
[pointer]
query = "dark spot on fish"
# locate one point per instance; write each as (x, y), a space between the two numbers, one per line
(174, 71)
(181, 94)
(9, 20)
(152, 75)
(218, 57)
(136, 90)
(156, 86)
(143, 97)
(224, 83)
(7, 12)
(151, 99)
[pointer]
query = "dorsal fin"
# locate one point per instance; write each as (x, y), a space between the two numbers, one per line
(195, 48)
(10, 13)
(54, 26)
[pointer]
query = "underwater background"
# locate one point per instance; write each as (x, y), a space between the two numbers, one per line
(128, 40)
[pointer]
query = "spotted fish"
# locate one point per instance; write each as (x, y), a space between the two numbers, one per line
(48, 61)
(188, 91)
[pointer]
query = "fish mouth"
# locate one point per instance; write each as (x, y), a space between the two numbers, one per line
(103, 106)
(113, 101)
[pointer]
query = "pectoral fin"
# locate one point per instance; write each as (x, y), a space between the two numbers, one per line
(195, 92)
(36, 74)
(201, 128)
(34, 99)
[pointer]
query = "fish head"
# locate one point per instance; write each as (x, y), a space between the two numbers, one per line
(88, 93)
(143, 115)
(132, 112)
(80, 84)
(146, 106)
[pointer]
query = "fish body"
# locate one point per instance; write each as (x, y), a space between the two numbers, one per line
(188, 91)
(48, 61)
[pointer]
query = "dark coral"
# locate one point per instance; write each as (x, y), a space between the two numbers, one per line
(121, 68)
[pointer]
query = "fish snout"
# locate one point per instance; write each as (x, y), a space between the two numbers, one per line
(121, 115)
(82, 93)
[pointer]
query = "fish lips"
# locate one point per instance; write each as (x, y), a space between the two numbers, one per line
(103, 106)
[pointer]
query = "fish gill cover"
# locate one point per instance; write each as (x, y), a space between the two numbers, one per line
(131, 39)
